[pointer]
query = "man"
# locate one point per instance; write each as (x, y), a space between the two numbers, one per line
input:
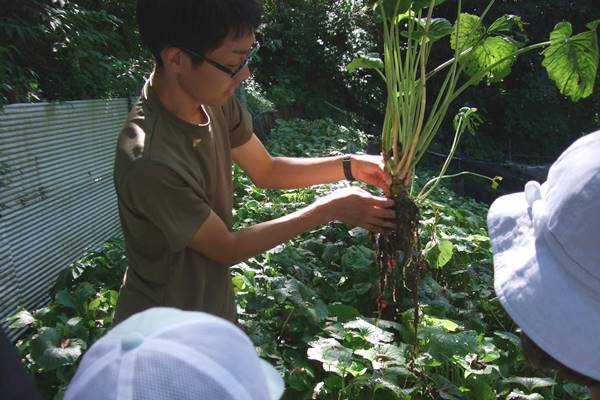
(173, 164)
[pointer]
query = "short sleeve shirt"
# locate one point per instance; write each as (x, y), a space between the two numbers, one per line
(169, 174)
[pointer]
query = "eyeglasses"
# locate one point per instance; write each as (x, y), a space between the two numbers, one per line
(221, 67)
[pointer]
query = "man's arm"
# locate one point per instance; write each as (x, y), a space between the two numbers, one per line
(289, 173)
(353, 206)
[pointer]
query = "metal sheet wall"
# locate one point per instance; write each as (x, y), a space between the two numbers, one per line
(56, 192)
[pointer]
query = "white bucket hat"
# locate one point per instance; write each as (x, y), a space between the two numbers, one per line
(165, 353)
(546, 245)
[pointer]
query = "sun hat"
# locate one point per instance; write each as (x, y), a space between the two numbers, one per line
(166, 353)
(546, 245)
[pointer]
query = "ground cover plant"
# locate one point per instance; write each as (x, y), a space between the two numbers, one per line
(309, 306)
(482, 51)
(82, 302)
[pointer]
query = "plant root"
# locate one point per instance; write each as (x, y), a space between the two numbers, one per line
(399, 261)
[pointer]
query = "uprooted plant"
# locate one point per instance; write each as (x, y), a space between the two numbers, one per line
(414, 115)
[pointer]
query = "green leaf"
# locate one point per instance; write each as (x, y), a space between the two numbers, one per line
(470, 31)
(531, 383)
(446, 249)
(577, 391)
(66, 353)
(65, 299)
(506, 23)
(448, 325)
(572, 61)
(443, 345)
(438, 28)
(366, 61)
(368, 331)
(481, 390)
(523, 396)
(334, 357)
(489, 52)
(358, 257)
(343, 312)
(383, 355)
(21, 319)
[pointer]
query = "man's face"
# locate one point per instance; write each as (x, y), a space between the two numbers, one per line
(207, 84)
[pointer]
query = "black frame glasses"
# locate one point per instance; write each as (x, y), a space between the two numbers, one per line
(223, 68)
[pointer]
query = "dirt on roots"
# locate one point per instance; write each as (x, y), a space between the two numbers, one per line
(399, 260)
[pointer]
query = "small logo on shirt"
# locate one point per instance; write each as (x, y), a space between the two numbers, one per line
(196, 142)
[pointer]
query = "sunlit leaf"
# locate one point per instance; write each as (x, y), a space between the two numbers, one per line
(446, 249)
(448, 325)
(488, 54)
(368, 331)
(572, 61)
(470, 31)
(21, 319)
(365, 61)
(531, 383)
(334, 357)
(383, 355)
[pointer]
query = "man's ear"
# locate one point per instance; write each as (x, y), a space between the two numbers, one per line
(174, 59)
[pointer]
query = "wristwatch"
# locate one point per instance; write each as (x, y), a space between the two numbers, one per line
(347, 168)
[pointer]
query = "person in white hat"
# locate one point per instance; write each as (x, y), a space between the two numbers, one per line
(546, 249)
(166, 353)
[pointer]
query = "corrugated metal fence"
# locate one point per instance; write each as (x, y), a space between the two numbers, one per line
(56, 192)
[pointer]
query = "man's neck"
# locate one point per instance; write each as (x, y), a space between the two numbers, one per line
(595, 393)
(176, 100)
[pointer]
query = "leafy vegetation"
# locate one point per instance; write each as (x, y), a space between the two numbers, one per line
(309, 306)
(69, 49)
(80, 311)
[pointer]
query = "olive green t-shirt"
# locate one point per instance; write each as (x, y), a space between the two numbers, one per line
(169, 174)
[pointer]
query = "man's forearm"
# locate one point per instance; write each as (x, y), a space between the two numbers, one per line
(248, 242)
(292, 173)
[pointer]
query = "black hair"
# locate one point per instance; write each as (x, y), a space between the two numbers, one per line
(197, 25)
(541, 360)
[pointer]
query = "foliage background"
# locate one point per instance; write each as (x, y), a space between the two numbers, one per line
(319, 288)
(82, 49)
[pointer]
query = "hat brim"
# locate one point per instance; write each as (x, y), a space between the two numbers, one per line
(533, 283)
(274, 380)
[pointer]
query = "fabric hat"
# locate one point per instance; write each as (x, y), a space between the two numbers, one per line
(546, 245)
(165, 353)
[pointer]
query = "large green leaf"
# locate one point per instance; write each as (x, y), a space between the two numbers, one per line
(470, 31)
(334, 357)
(21, 319)
(51, 352)
(572, 61)
(446, 249)
(384, 355)
(368, 331)
(366, 61)
(489, 52)
(66, 353)
(531, 383)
